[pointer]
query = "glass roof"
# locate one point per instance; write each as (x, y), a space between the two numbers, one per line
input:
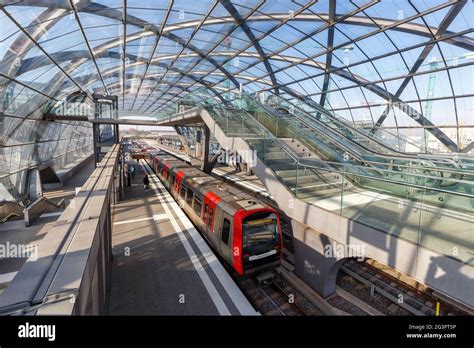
(393, 64)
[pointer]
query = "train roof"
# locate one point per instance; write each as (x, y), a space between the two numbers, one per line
(164, 156)
(230, 195)
(171, 162)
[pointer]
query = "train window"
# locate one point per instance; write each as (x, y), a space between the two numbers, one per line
(197, 205)
(260, 233)
(211, 216)
(225, 231)
(189, 197)
(206, 209)
(183, 191)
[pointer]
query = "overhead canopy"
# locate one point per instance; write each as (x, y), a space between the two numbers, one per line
(384, 64)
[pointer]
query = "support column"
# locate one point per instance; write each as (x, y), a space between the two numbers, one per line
(105, 135)
(116, 134)
(34, 188)
(206, 166)
(317, 258)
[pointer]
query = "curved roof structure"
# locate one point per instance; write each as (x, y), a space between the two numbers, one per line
(404, 66)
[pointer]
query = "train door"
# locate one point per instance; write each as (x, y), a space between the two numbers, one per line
(165, 172)
(197, 207)
(156, 162)
(158, 169)
(209, 212)
(225, 238)
(177, 183)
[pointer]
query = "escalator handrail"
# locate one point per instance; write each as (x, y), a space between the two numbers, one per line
(330, 168)
(277, 114)
(404, 156)
(268, 135)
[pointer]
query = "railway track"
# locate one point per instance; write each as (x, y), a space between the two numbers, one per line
(277, 297)
(387, 294)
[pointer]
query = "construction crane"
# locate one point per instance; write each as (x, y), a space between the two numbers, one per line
(346, 50)
(433, 64)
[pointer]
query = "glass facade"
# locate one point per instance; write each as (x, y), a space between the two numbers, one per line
(399, 69)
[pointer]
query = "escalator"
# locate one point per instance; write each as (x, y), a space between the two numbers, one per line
(362, 144)
(351, 151)
(337, 142)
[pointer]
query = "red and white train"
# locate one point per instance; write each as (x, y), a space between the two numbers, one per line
(244, 231)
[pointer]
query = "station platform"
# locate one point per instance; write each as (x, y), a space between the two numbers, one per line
(161, 264)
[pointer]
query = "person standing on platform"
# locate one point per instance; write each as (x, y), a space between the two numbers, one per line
(129, 177)
(132, 170)
(146, 182)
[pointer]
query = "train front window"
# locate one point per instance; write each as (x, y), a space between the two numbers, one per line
(260, 233)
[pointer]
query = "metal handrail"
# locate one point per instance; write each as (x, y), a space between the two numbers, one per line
(305, 121)
(391, 181)
(355, 129)
(340, 121)
(305, 163)
(387, 171)
(388, 157)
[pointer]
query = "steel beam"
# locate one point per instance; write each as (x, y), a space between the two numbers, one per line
(248, 32)
(329, 46)
(447, 20)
